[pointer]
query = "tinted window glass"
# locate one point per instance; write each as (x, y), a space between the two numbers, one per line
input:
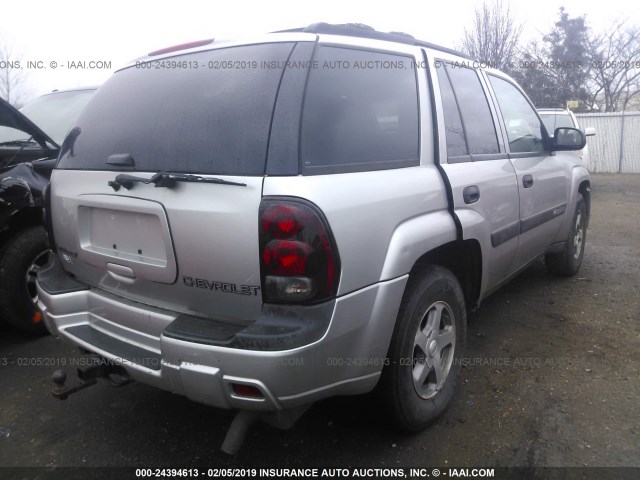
(360, 111)
(552, 121)
(476, 116)
(456, 143)
(198, 118)
(524, 129)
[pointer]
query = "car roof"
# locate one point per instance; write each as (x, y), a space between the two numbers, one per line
(365, 31)
(554, 110)
(358, 30)
(76, 89)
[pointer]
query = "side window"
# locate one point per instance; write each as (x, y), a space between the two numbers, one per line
(360, 112)
(454, 131)
(469, 125)
(524, 129)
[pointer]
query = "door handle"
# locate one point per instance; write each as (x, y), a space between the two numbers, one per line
(527, 181)
(471, 194)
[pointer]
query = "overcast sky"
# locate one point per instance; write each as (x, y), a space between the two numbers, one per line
(117, 31)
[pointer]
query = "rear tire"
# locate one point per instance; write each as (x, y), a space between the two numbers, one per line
(426, 350)
(567, 262)
(20, 260)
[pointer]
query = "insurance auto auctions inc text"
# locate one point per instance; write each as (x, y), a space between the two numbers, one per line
(374, 472)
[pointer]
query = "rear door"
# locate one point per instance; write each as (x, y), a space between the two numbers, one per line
(189, 246)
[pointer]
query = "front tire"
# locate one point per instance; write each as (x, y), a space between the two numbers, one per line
(426, 350)
(567, 262)
(21, 258)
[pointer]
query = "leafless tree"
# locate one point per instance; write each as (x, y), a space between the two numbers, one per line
(538, 77)
(615, 67)
(13, 79)
(494, 36)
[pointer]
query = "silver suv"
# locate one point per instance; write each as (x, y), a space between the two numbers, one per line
(258, 225)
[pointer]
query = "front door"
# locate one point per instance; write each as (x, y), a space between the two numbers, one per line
(542, 180)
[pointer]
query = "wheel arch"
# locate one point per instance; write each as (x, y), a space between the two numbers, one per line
(432, 239)
(464, 259)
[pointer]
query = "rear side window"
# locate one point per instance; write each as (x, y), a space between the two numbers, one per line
(469, 125)
(360, 112)
(208, 112)
(454, 131)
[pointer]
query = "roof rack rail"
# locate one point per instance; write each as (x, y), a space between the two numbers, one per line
(365, 31)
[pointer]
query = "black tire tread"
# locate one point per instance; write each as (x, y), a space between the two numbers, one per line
(563, 263)
(391, 396)
(15, 258)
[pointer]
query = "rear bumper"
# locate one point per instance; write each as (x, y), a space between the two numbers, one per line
(346, 358)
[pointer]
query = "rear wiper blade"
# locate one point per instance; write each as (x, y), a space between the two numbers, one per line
(165, 179)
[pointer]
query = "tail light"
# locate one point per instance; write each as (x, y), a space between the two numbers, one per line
(298, 258)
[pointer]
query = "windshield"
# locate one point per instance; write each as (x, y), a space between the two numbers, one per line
(556, 120)
(53, 113)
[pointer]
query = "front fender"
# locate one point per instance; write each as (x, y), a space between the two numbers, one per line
(579, 176)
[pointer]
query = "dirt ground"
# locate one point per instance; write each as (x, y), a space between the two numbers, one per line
(552, 379)
(570, 395)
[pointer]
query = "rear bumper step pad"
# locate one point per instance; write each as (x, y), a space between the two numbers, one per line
(126, 351)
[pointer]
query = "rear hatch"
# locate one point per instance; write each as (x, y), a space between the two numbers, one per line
(158, 187)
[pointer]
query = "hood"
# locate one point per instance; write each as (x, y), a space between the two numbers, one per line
(11, 117)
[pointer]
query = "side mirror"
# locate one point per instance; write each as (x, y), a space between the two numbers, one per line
(566, 138)
(590, 131)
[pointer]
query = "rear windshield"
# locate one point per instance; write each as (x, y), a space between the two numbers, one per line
(208, 112)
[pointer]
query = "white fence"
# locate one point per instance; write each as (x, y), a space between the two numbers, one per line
(615, 148)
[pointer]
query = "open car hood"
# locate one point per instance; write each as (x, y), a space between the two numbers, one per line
(11, 117)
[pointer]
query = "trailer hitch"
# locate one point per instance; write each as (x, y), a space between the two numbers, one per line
(88, 376)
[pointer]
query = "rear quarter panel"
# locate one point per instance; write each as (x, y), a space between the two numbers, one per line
(382, 221)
